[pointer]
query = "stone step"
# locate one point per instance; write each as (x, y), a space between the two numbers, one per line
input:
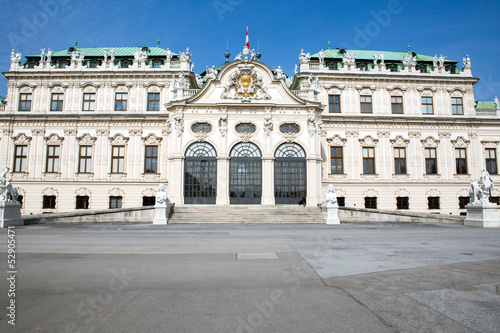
(246, 214)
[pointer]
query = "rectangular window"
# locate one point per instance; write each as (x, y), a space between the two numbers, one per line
(85, 160)
(151, 161)
(334, 103)
(491, 160)
(399, 161)
(457, 105)
(371, 202)
(341, 201)
(430, 161)
(148, 201)
(56, 102)
(115, 202)
(49, 202)
(153, 101)
(366, 104)
(368, 160)
(117, 159)
(52, 159)
(433, 202)
(121, 102)
(82, 202)
(397, 104)
(88, 102)
(20, 158)
(461, 160)
(427, 105)
(337, 160)
(25, 102)
(462, 201)
(495, 200)
(402, 203)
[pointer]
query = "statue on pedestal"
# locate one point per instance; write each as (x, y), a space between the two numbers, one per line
(161, 195)
(7, 191)
(480, 191)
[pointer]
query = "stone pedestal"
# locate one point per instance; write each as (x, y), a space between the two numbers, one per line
(331, 213)
(161, 213)
(10, 214)
(482, 215)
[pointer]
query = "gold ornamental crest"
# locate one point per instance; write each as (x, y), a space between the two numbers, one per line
(245, 84)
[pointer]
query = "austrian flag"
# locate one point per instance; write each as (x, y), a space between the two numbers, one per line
(247, 41)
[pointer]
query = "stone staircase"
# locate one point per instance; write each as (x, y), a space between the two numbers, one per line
(291, 214)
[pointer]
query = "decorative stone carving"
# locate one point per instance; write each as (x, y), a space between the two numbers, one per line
(480, 212)
(460, 142)
(7, 191)
(268, 125)
(467, 64)
(15, 57)
(69, 132)
(21, 139)
(162, 205)
(151, 139)
(102, 132)
(336, 140)
(409, 60)
(54, 139)
(279, 73)
(179, 124)
(348, 59)
(223, 124)
(245, 84)
(368, 141)
(399, 141)
(211, 73)
(430, 142)
(118, 139)
(330, 207)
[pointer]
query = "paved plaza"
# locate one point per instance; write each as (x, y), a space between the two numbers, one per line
(355, 277)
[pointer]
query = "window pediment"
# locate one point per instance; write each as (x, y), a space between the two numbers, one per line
(460, 142)
(151, 139)
(399, 141)
(336, 140)
(86, 139)
(54, 139)
(118, 139)
(368, 141)
(21, 139)
(430, 142)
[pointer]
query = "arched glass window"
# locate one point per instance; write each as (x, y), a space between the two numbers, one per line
(201, 127)
(245, 128)
(201, 149)
(292, 150)
(290, 128)
(245, 149)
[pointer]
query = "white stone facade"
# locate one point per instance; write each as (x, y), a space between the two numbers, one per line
(46, 149)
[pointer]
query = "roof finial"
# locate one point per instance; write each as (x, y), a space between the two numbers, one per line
(408, 47)
(328, 44)
(76, 43)
(158, 42)
(227, 54)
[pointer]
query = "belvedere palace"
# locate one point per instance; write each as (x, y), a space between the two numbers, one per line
(99, 128)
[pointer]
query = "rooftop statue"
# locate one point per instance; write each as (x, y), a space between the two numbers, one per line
(496, 102)
(296, 69)
(279, 73)
(348, 58)
(7, 191)
(15, 57)
(238, 56)
(435, 61)
(42, 55)
(105, 55)
(467, 62)
(169, 54)
(441, 61)
(49, 56)
(321, 56)
(252, 54)
(112, 55)
(375, 59)
(381, 57)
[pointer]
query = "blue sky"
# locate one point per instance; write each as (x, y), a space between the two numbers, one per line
(451, 28)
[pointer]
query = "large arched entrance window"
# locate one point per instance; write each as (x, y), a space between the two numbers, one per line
(289, 174)
(200, 174)
(245, 174)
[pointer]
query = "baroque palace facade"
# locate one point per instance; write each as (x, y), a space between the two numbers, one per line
(98, 128)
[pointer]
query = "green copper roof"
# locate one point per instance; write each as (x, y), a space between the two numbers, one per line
(2, 99)
(368, 55)
(485, 105)
(119, 51)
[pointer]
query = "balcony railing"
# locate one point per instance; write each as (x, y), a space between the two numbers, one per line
(486, 113)
(190, 92)
(300, 93)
